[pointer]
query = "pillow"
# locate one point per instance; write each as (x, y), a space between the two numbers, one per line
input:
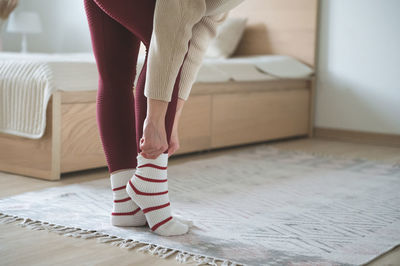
(229, 33)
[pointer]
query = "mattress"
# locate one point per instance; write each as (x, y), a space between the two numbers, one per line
(28, 80)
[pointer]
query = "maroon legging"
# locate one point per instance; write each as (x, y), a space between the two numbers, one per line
(116, 29)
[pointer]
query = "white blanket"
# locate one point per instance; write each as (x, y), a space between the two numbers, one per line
(249, 68)
(25, 90)
(28, 80)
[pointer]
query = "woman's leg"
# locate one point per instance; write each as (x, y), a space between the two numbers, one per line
(137, 17)
(116, 31)
(116, 50)
(149, 186)
(113, 26)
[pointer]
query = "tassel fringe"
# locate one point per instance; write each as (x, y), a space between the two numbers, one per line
(155, 250)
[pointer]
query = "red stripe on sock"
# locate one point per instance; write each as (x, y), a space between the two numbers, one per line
(126, 213)
(151, 179)
(145, 193)
(155, 208)
(153, 166)
(122, 200)
(161, 223)
(118, 188)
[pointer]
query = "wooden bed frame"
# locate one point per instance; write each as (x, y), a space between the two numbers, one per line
(216, 114)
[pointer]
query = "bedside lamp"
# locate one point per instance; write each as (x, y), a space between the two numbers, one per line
(24, 23)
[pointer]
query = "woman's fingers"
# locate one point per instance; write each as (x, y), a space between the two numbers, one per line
(148, 156)
(154, 139)
(171, 150)
(173, 145)
(174, 140)
(152, 154)
(149, 147)
(149, 150)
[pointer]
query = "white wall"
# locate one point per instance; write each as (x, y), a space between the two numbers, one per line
(358, 85)
(65, 27)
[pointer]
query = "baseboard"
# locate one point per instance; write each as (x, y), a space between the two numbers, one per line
(392, 140)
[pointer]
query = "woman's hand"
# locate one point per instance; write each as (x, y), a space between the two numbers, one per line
(154, 140)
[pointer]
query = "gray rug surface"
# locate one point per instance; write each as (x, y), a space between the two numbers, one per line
(255, 206)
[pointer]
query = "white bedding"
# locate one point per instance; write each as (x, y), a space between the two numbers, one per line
(28, 80)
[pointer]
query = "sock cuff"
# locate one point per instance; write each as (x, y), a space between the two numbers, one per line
(120, 178)
(161, 160)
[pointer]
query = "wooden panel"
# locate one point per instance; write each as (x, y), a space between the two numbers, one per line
(80, 140)
(194, 126)
(56, 136)
(78, 96)
(207, 88)
(250, 117)
(25, 156)
(247, 86)
(81, 144)
(71, 141)
(286, 27)
(311, 121)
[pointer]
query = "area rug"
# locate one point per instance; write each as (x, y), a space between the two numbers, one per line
(254, 206)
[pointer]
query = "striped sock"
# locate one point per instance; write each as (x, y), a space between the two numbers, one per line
(125, 212)
(148, 188)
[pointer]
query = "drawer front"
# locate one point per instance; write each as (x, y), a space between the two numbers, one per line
(258, 116)
(195, 124)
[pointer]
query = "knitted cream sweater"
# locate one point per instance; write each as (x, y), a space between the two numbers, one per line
(176, 22)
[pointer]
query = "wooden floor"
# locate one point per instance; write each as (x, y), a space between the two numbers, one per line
(21, 246)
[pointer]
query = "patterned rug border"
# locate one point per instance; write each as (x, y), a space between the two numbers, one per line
(145, 247)
(159, 250)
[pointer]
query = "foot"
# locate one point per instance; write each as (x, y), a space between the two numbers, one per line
(148, 188)
(125, 212)
(183, 220)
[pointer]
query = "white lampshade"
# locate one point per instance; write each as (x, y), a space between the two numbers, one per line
(24, 22)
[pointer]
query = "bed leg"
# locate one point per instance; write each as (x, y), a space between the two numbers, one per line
(312, 107)
(56, 137)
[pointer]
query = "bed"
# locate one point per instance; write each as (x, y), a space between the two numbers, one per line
(271, 75)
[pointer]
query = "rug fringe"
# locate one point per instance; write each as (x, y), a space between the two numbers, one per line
(153, 249)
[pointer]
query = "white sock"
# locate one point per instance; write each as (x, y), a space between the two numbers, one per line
(148, 188)
(125, 212)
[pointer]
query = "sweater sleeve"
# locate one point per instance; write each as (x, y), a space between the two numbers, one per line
(172, 29)
(202, 34)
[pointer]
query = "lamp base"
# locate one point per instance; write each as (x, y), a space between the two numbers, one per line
(24, 44)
